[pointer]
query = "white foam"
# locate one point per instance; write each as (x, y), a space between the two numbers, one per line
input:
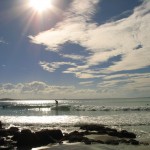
(109, 108)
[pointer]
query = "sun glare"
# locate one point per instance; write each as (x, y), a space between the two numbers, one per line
(40, 5)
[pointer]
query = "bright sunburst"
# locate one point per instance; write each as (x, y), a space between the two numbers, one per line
(40, 5)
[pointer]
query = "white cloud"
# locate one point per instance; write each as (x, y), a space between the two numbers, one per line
(121, 38)
(106, 41)
(132, 61)
(87, 83)
(129, 84)
(34, 89)
(132, 85)
(74, 57)
(83, 75)
(43, 90)
(72, 29)
(51, 67)
(83, 72)
(79, 8)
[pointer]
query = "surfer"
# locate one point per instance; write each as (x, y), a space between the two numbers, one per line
(56, 102)
(56, 110)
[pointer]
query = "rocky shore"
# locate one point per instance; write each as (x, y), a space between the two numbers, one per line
(14, 139)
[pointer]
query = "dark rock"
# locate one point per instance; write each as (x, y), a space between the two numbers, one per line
(44, 137)
(25, 138)
(126, 134)
(13, 130)
(134, 142)
(26, 132)
(68, 135)
(75, 138)
(112, 142)
(54, 134)
(99, 141)
(16, 136)
(87, 141)
(124, 141)
(3, 132)
(93, 128)
(77, 133)
(112, 132)
(40, 138)
(2, 141)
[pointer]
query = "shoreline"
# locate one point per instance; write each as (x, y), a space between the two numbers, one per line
(86, 135)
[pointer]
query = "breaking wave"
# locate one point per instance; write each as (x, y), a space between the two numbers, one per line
(65, 107)
(110, 108)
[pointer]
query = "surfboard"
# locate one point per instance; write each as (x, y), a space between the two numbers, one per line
(62, 107)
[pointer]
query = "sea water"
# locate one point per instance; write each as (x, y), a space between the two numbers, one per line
(131, 114)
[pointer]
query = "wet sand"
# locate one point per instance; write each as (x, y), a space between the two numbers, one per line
(79, 146)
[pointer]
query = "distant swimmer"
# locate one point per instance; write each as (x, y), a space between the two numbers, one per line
(56, 102)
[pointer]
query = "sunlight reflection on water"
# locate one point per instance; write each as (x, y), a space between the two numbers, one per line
(42, 119)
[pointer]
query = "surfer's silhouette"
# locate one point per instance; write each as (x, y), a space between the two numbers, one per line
(56, 110)
(56, 102)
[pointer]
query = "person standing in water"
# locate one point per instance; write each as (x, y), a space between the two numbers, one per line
(56, 110)
(56, 102)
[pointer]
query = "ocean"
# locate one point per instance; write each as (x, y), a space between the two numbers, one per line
(132, 114)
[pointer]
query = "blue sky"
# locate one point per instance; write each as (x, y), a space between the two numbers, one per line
(75, 49)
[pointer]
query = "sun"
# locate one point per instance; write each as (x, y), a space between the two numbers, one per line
(40, 5)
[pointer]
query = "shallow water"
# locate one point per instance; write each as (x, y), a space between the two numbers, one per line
(79, 146)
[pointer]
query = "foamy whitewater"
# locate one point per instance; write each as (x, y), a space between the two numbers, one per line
(130, 114)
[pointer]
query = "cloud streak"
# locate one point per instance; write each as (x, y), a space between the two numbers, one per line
(126, 83)
(2, 41)
(51, 67)
(74, 57)
(87, 83)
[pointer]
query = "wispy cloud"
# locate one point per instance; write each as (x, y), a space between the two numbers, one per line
(51, 67)
(74, 57)
(3, 41)
(3, 65)
(87, 83)
(83, 72)
(126, 83)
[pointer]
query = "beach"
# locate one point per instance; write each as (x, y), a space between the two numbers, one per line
(91, 137)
